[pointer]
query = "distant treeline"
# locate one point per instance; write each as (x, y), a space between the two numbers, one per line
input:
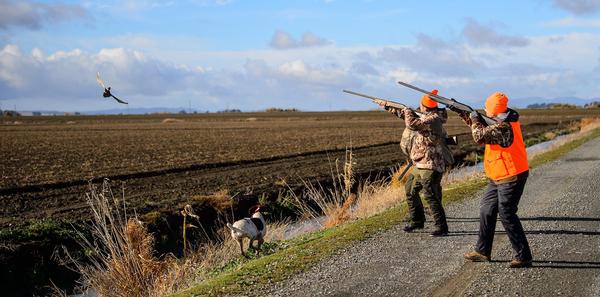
(594, 104)
(9, 113)
(274, 109)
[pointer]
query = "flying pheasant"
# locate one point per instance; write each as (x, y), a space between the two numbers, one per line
(107, 92)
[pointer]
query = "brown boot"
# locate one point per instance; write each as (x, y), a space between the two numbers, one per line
(520, 263)
(476, 257)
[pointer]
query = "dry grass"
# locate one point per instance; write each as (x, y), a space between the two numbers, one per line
(461, 174)
(334, 203)
(588, 124)
(398, 182)
(338, 213)
(376, 197)
(122, 261)
(172, 121)
(549, 135)
(339, 205)
(220, 200)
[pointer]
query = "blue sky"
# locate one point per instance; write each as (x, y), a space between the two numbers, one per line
(252, 55)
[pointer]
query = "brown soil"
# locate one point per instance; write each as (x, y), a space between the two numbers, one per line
(46, 166)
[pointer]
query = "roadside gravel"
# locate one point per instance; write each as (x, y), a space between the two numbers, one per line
(560, 210)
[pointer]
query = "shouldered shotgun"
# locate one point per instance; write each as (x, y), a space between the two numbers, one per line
(453, 140)
(451, 103)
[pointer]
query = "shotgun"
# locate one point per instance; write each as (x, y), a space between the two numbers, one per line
(451, 103)
(453, 140)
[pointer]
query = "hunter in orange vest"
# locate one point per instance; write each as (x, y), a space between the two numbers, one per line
(506, 166)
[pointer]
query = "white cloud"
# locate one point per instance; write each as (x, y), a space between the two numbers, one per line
(284, 40)
(33, 15)
(310, 39)
(447, 60)
(403, 75)
(296, 68)
(480, 35)
(578, 7)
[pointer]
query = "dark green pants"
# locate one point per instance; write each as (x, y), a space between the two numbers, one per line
(428, 183)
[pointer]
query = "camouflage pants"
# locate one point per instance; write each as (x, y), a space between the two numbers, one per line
(428, 183)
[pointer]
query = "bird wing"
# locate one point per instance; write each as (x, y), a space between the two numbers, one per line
(118, 100)
(99, 80)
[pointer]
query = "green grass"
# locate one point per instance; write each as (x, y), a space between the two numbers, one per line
(299, 254)
(41, 229)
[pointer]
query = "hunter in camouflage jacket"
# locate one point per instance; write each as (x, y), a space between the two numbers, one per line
(429, 140)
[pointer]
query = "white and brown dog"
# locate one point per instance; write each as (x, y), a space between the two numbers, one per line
(253, 228)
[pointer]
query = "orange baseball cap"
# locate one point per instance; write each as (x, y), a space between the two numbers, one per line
(496, 103)
(427, 102)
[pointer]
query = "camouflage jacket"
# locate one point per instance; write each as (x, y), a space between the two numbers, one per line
(500, 133)
(426, 151)
(408, 135)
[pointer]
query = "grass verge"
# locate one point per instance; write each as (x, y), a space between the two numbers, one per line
(300, 253)
(561, 150)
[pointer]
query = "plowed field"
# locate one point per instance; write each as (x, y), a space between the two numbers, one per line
(46, 162)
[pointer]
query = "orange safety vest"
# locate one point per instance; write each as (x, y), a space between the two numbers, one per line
(504, 162)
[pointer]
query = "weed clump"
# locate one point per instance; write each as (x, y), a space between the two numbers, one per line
(121, 251)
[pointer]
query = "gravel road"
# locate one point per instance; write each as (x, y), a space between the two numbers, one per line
(560, 211)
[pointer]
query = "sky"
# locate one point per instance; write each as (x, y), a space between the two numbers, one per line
(251, 55)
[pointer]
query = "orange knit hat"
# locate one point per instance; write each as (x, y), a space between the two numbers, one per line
(496, 103)
(427, 102)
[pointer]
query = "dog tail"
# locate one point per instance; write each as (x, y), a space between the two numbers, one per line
(237, 230)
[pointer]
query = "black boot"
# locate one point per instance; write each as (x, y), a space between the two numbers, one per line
(439, 232)
(412, 227)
